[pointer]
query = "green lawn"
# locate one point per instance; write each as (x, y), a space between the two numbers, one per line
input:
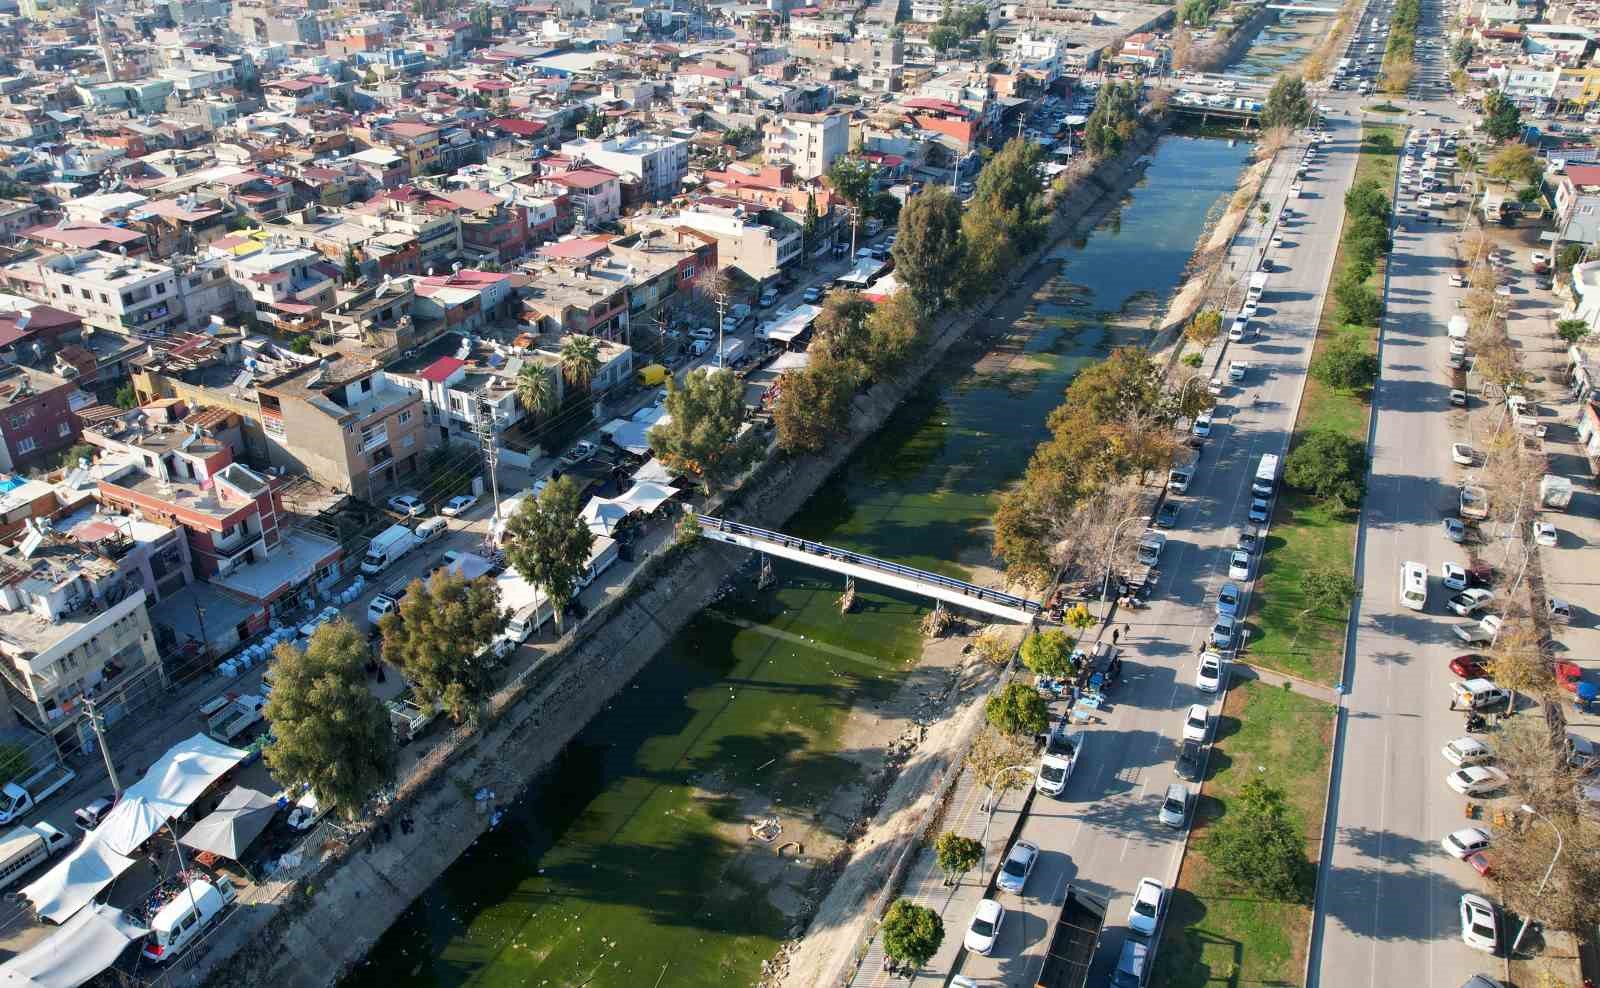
(1307, 535)
(1221, 935)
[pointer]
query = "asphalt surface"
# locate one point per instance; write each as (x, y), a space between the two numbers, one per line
(1388, 898)
(1104, 836)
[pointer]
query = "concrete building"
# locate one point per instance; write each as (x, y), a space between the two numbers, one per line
(811, 142)
(118, 294)
(758, 243)
(658, 164)
(282, 286)
(37, 415)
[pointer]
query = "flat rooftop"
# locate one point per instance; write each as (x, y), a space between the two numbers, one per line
(293, 562)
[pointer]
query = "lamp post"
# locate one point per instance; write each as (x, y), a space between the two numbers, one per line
(989, 805)
(1105, 582)
(1543, 881)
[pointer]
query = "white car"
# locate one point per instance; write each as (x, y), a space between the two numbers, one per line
(581, 451)
(1196, 723)
(1480, 923)
(1175, 808)
(1202, 424)
(1464, 752)
(1466, 842)
(1454, 576)
(1208, 677)
(1145, 911)
(409, 505)
(1239, 565)
(1018, 866)
(1461, 453)
(984, 929)
(1240, 329)
(1469, 602)
(1477, 780)
(458, 505)
(1544, 534)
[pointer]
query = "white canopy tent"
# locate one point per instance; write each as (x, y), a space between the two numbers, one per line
(645, 497)
(633, 437)
(653, 472)
(77, 879)
(169, 788)
(85, 945)
(603, 515)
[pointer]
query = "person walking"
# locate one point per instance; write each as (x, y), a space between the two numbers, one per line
(1115, 634)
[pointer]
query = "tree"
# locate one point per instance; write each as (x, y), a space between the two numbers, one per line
(957, 855)
(1514, 163)
(927, 251)
(1569, 257)
(536, 389)
(1328, 465)
(126, 397)
(15, 762)
(911, 933)
(438, 637)
(1397, 76)
(943, 38)
(548, 542)
(1287, 104)
(1462, 51)
(330, 732)
(1326, 589)
(808, 226)
(895, 330)
(1204, 327)
(1346, 365)
(1111, 122)
(705, 413)
(1518, 662)
(1018, 709)
(301, 344)
(886, 207)
(813, 406)
(1359, 305)
(1256, 844)
(1502, 120)
(841, 333)
(1078, 618)
(991, 254)
(1572, 330)
(851, 177)
(352, 267)
(1048, 653)
(1012, 183)
(580, 359)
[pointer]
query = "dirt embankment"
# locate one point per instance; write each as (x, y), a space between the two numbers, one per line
(1205, 267)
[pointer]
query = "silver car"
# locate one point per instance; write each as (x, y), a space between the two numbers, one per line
(1018, 866)
(1175, 808)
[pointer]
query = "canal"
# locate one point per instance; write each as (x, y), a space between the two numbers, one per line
(621, 866)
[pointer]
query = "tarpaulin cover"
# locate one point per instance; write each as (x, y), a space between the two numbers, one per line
(72, 884)
(85, 945)
(237, 820)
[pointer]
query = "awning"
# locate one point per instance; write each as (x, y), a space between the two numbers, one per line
(646, 497)
(169, 788)
(603, 515)
(85, 945)
(653, 472)
(792, 323)
(237, 820)
(633, 437)
(77, 879)
(793, 360)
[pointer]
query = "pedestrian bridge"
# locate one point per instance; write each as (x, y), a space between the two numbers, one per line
(869, 569)
(1301, 8)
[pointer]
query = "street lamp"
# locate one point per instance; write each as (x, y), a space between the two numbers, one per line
(1543, 881)
(1105, 583)
(989, 805)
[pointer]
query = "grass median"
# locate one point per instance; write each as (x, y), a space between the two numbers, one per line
(1309, 534)
(1217, 934)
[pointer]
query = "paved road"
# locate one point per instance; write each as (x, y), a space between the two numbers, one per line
(1388, 899)
(1104, 835)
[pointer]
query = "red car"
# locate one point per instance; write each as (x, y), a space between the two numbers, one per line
(1470, 666)
(1569, 676)
(1480, 863)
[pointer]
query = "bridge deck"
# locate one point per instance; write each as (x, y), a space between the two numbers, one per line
(870, 569)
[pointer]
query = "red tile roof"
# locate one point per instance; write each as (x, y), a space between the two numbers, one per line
(440, 370)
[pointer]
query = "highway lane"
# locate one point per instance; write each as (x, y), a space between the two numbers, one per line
(1389, 898)
(1104, 836)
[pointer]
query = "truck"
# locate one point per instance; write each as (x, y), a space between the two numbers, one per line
(386, 547)
(1258, 286)
(229, 724)
(1150, 546)
(1183, 470)
(1266, 479)
(386, 600)
(1073, 941)
(17, 798)
(1473, 502)
(409, 717)
(1555, 491)
(529, 605)
(24, 848)
(601, 556)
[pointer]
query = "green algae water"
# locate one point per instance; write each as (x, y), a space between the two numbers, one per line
(621, 865)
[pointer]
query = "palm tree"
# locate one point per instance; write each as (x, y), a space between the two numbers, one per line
(536, 389)
(580, 358)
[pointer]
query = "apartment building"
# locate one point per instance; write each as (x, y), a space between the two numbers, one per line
(463, 384)
(71, 623)
(593, 195)
(657, 164)
(37, 414)
(759, 243)
(282, 286)
(810, 142)
(431, 219)
(107, 291)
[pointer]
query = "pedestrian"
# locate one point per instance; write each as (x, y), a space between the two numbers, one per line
(388, 832)
(1452, 704)
(1115, 634)
(1127, 629)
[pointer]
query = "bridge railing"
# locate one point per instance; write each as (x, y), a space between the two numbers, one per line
(710, 522)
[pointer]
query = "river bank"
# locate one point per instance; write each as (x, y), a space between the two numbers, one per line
(306, 938)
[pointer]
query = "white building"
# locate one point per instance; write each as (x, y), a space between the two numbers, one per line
(808, 141)
(107, 291)
(281, 285)
(657, 163)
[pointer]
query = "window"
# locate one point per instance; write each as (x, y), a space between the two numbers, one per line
(127, 298)
(104, 300)
(405, 416)
(86, 294)
(408, 441)
(161, 288)
(27, 445)
(20, 419)
(64, 429)
(366, 385)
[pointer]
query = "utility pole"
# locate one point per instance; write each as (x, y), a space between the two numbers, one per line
(483, 425)
(97, 723)
(722, 321)
(855, 216)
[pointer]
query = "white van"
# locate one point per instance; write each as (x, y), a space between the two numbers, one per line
(432, 528)
(181, 921)
(1414, 585)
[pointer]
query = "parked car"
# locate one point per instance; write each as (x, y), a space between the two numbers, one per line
(1465, 751)
(1222, 632)
(984, 929)
(1239, 565)
(1469, 602)
(1018, 866)
(581, 451)
(1145, 911)
(1544, 534)
(1480, 923)
(409, 505)
(1468, 840)
(1175, 807)
(1208, 676)
(1458, 398)
(1196, 723)
(1477, 780)
(1189, 761)
(458, 505)
(1260, 509)
(1455, 530)
(86, 818)
(1228, 600)
(1462, 453)
(1202, 424)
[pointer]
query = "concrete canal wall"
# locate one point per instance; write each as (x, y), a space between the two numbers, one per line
(311, 934)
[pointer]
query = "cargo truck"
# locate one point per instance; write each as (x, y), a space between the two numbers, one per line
(386, 547)
(1073, 941)
(1266, 479)
(1258, 286)
(17, 798)
(229, 724)
(25, 848)
(601, 556)
(1555, 491)
(529, 605)
(1183, 469)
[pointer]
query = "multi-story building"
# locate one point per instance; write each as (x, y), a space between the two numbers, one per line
(811, 142)
(594, 195)
(759, 243)
(71, 623)
(658, 164)
(118, 294)
(282, 286)
(461, 387)
(37, 414)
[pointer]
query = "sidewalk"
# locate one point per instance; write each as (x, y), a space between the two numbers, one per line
(955, 904)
